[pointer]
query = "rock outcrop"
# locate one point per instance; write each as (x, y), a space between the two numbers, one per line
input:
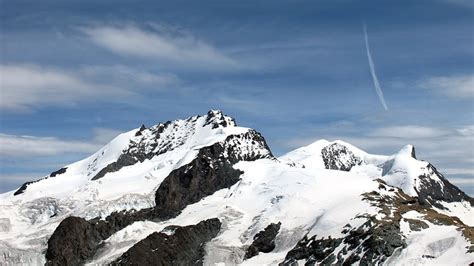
(184, 246)
(431, 191)
(26, 184)
(211, 171)
(76, 239)
(263, 241)
(339, 157)
(377, 239)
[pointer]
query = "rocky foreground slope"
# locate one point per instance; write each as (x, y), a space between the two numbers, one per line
(205, 191)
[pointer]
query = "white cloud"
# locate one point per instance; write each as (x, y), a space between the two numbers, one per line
(462, 181)
(459, 86)
(26, 87)
(460, 171)
(409, 131)
(21, 146)
(132, 77)
(29, 146)
(184, 49)
(467, 131)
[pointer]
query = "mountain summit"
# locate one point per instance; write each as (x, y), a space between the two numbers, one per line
(203, 191)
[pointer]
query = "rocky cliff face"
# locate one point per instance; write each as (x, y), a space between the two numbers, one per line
(339, 157)
(180, 246)
(211, 171)
(430, 191)
(263, 241)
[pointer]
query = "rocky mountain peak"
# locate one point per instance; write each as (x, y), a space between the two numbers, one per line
(408, 150)
(165, 137)
(338, 157)
(217, 118)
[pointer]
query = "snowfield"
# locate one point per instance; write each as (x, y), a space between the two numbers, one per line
(298, 189)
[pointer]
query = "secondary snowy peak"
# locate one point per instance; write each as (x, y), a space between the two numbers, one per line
(335, 155)
(420, 179)
(403, 170)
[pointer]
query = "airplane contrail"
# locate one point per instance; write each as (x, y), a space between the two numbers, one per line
(372, 71)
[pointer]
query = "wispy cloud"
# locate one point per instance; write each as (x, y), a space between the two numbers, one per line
(129, 77)
(462, 181)
(461, 3)
(378, 89)
(26, 87)
(18, 146)
(179, 48)
(21, 146)
(459, 86)
(410, 131)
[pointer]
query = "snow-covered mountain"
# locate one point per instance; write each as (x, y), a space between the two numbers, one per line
(205, 191)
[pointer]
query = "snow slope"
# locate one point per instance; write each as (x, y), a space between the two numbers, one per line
(309, 200)
(317, 192)
(269, 191)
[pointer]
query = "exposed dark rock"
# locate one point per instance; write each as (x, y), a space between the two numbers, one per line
(58, 172)
(140, 130)
(339, 157)
(371, 243)
(76, 240)
(123, 160)
(184, 247)
(263, 241)
(377, 243)
(211, 171)
(431, 191)
(319, 249)
(72, 242)
(416, 225)
(26, 184)
(413, 153)
(217, 118)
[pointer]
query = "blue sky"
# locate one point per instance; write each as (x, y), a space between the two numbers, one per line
(73, 74)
